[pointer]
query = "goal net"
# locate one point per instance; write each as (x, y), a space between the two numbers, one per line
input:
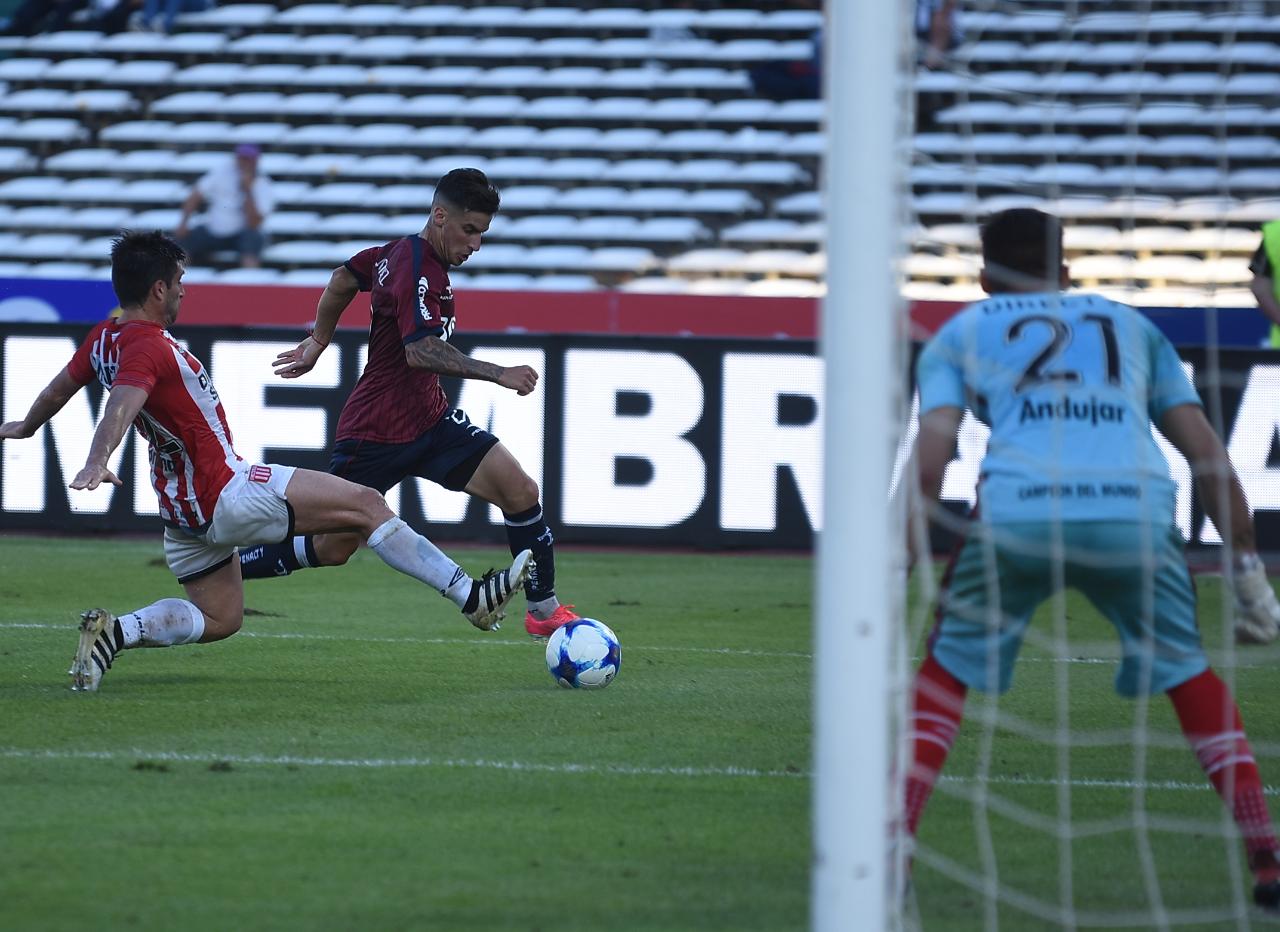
(1150, 131)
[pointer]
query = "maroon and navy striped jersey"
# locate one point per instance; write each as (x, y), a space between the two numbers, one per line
(410, 299)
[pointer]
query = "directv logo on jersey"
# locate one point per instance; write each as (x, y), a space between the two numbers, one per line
(1091, 411)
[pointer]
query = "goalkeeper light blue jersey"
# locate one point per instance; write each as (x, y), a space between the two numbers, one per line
(1069, 385)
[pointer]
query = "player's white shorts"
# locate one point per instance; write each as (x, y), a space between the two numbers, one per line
(252, 509)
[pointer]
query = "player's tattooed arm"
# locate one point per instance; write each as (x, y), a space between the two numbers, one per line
(435, 355)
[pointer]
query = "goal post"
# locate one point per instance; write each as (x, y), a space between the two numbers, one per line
(859, 547)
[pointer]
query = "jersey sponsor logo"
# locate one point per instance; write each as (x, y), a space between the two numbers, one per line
(383, 269)
(423, 287)
(259, 473)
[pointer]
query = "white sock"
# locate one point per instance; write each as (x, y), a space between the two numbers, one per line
(403, 549)
(300, 552)
(162, 624)
(544, 609)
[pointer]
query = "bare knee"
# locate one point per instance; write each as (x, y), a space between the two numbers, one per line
(519, 495)
(335, 549)
(370, 504)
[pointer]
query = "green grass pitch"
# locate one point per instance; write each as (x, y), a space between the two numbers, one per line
(360, 758)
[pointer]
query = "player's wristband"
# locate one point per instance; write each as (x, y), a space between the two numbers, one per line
(312, 338)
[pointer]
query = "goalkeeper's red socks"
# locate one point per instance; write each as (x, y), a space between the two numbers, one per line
(936, 710)
(1211, 721)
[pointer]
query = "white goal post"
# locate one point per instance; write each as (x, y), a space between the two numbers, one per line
(859, 549)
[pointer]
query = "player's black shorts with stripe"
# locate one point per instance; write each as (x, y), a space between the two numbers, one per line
(448, 454)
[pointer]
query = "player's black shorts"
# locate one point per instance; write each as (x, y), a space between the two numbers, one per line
(448, 454)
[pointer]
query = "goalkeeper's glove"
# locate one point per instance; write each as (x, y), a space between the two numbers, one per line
(1257, 611)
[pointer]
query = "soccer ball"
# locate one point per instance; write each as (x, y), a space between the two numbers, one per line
(584, 654)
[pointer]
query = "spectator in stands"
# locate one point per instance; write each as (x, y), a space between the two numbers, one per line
(114, 15)
(937, 31)
(36, 16)
(791, 80)
(1265, 286)
(238, 198)
(162, 21)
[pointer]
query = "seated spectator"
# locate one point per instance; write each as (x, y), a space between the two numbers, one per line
(153, 18)
(36, 16)
(112, 16)
(937, 30)
(32, 17)
(791, 80)
(238, 198)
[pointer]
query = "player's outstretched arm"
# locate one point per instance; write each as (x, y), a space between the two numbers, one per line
(435, 355)
(1257, 609)
(123, 406)
(338, 294)
(1220, 491)
(48, 403)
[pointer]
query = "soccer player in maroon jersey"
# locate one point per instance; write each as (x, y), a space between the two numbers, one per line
(398, 422)
(211, 500)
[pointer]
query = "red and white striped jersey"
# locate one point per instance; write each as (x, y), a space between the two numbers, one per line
(182, 421)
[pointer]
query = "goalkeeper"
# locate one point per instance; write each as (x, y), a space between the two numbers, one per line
(1075, 492)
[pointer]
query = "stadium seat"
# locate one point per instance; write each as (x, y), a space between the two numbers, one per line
(620, 259)
(60, 270)
(23, 69)
(253, 276)
(784, 288)
(40, 246)
(564, 282)
(232, 16)
(78, 70)
(306, 277)
(164, 218)
(656, 284)
(43, 217)
(508, 282)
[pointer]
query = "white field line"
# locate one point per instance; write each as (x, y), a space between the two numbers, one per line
(568, 768)
(385, 763)
(525, 642)
(476, 642)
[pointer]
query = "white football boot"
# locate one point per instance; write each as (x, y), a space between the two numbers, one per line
(494, 590)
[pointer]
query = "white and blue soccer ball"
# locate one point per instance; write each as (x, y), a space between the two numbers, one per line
(584, 654)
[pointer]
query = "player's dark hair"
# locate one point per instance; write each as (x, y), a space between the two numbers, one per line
(139, 260)
(466, 189)
(1022, 249)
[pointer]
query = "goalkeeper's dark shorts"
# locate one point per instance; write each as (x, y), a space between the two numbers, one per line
(1134, 574)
